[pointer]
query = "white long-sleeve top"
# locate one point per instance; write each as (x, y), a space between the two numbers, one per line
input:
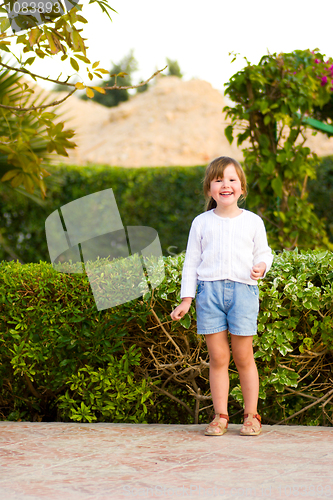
(221, 248)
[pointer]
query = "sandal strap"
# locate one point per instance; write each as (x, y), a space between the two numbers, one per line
(254, 415)
(221, 415)
(217, 424)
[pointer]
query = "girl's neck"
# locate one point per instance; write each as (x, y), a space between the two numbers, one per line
(228, 212)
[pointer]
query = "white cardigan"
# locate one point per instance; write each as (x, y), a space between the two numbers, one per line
(221, 248)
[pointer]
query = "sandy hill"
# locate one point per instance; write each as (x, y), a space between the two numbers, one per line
(175, 122)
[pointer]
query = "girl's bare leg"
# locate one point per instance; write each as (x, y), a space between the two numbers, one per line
(242, 352)
(219, 357)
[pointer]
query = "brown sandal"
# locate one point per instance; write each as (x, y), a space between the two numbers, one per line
(216, 427)
(250, 425)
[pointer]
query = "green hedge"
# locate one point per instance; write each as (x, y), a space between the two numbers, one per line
(321, 193)
(165, 198)
(61, 359)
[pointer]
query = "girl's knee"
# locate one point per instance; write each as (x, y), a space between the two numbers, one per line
(244, 360)
(218, 348)
(242, 351)
(243, 357)
(220, 359)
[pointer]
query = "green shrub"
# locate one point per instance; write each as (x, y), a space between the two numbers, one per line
(293, 348)
(270, 101)
(106, 394)
(62, 359)
(321, 193)
(52, 335)
(165, 198)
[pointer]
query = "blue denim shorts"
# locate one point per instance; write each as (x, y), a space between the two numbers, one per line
(227, 305)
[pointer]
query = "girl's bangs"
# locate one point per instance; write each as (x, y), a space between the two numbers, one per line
(217, 170)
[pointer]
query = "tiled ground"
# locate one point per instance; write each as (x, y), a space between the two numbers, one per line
(62, 461)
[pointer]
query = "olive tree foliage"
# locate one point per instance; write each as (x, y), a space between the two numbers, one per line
(61, 33)
(271, 100)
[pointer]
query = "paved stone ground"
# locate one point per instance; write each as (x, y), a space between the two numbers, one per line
(68, 461)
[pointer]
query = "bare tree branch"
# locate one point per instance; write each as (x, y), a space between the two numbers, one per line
(55, 103)
(171, 396)
(166, 333)
(319, 400)
(42, 106)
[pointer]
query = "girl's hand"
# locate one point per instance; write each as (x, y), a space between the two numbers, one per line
(258, 271)
(182, 309)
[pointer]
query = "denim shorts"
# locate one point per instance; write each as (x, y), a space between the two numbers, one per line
(227, 305)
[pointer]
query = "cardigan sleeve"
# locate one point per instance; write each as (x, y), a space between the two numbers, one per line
(192, 261)
(262, 252)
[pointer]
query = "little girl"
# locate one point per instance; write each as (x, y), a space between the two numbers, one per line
(227, 252)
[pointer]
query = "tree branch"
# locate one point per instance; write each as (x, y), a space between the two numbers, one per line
(191, 412)
(33, 75)
(31, 387)
(55, 103)
(306, 407)
(297, 393)
(166, 333)
(135, 86)
(42, 106)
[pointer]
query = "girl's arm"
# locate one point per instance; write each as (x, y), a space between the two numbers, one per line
(262, 254)
(182, 309)
(258, 271)
(189, 274)
(192, 261)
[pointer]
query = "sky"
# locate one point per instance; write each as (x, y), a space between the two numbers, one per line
(199, 35)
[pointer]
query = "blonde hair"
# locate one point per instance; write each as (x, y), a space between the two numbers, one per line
(215, 170)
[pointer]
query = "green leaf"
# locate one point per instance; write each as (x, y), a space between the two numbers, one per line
(82, 58)
(228, 133)
(30, 60)
(277, 186)
(74, 64)
(267, 119)
(4, 24)
(185, 321)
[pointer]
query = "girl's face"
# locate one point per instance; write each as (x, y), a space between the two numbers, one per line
(227, 189)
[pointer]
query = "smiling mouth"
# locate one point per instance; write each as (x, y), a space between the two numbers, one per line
(226, 194)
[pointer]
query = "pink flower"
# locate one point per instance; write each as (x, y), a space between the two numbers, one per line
(317, 61)
(323, 80)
